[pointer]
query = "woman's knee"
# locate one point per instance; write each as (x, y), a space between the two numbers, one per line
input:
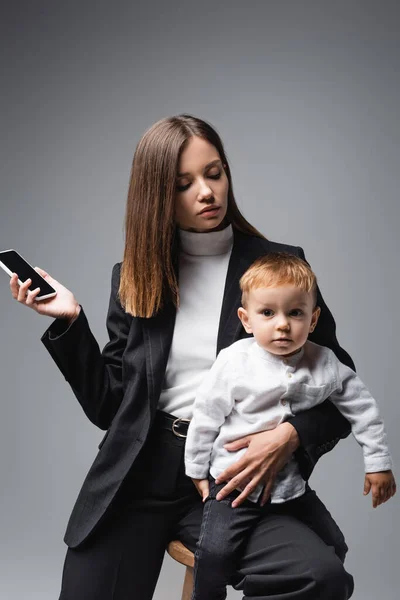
(332, 582)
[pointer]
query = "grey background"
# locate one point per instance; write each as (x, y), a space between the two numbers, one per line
(305, 96)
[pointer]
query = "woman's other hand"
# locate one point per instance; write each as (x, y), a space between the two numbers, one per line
(62, 306)
(267, 453)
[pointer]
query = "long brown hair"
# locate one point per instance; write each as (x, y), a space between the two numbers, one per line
(148, 274)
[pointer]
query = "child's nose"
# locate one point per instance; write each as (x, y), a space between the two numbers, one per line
(283, 323)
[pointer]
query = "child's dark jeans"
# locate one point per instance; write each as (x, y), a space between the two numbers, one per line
(224, 531)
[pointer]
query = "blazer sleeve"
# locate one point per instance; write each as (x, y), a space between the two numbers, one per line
(320, 428)
(95, 376)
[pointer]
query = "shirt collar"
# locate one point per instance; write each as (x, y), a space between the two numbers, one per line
(278, 360)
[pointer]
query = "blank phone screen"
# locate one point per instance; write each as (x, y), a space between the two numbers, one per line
(16, 264)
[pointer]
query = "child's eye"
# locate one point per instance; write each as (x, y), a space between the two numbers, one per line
(268, 312)
(296, 312)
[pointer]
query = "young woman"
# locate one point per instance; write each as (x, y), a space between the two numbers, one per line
(173, 306)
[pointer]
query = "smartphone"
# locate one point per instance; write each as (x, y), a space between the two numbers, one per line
(12, 262)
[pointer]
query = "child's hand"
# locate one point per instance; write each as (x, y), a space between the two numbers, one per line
(383, 486)
(203, 487)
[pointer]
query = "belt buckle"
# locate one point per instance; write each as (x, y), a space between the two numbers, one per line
(176, 423)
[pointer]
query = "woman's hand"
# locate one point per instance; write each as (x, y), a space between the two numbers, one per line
(267, 453)
(62, 306)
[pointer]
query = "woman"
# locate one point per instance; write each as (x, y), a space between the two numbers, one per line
(181, 221)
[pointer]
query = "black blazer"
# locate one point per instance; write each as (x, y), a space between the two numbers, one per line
(119, 387)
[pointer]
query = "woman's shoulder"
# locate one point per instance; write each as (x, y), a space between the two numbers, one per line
(116, 274)
(267, 245)
(280, 247)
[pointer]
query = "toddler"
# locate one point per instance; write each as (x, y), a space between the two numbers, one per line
(257, 383)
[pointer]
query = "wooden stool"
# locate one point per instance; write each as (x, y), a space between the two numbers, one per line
(181, 554)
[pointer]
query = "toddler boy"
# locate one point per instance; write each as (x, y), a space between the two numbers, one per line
(254, 385)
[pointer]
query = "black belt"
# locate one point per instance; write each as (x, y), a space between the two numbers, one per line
(178, 425)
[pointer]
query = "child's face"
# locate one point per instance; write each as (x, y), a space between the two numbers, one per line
(280, 318)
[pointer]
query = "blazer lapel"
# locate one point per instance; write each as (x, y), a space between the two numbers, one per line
(244, 252)
(157, 333)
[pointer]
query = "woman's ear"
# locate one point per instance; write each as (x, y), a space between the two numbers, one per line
(243, 316)
(314, 319)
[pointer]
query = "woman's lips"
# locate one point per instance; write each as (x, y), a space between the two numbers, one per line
(210, 211)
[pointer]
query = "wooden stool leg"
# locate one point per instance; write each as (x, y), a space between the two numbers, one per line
(188, 584)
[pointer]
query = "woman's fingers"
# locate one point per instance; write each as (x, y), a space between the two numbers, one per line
(14, 285)
(237, 482)
(23, 288)
(231, 471)
(41, 272)
(31, 297)
(238, 444)
(267, 491)
(245, 492)
(62, 306)
(22, 292)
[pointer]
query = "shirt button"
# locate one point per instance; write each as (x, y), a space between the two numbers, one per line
(284, 402)
(289, 375)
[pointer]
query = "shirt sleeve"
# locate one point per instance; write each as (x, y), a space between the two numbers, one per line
(355, 403)
(213, 403)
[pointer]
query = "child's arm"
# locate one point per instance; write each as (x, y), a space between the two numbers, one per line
(213, 403)
(355, 403)
(320, 428)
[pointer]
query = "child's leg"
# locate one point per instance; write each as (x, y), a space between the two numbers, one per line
(223, 531)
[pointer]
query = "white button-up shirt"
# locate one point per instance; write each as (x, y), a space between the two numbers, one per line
(248, 390)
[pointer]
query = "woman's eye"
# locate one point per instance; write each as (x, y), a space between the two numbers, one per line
(182, 188)
(267, 312)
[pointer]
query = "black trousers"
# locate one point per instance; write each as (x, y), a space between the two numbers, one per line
(284, 559)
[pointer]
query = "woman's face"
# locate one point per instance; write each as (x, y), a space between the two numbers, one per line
(201, 187)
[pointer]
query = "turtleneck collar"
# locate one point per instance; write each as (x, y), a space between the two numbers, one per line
(206, 244)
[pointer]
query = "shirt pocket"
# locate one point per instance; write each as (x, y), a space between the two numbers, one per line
(310, 395)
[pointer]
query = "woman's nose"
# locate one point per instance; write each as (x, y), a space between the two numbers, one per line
(205, 192)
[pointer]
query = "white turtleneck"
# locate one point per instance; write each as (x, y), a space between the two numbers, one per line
(203, 264)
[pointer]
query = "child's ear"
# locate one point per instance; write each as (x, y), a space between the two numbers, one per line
(314, 319)
(243, 316)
